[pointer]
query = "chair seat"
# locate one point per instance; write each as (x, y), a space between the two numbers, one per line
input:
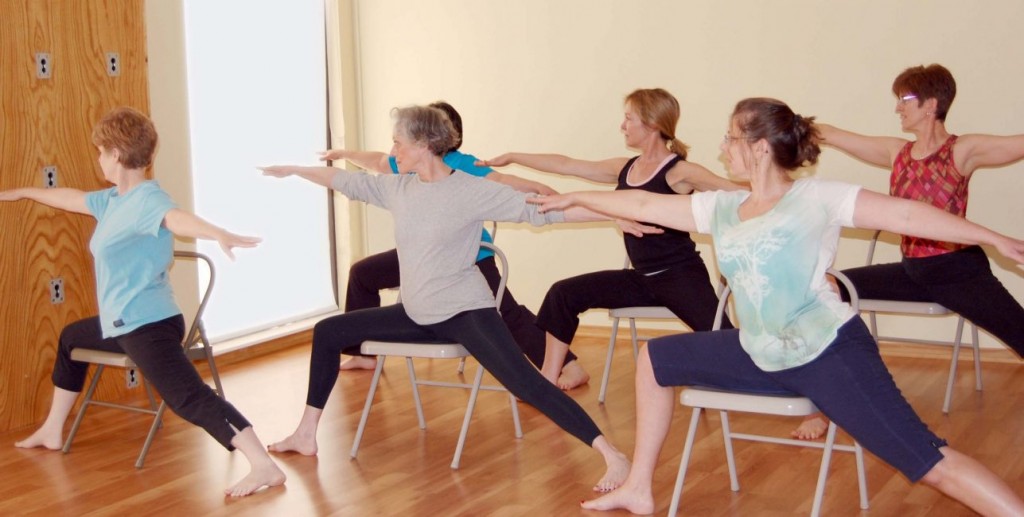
(895, 306)
(423, 350)
(641, 312)
(751, 403)
(85, 355)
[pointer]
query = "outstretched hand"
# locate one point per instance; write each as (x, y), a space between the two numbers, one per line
(549, 203)
(229, 241)
(497, 161)
(637, 229)
(278, 171)
(332, 154)
(1012, 249)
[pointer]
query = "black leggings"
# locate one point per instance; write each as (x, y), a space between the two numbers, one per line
(961, 281)
(481, 331)
(368, 276)
(156, 349)
(684, 289)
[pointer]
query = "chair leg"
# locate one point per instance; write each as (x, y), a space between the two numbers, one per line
(515, 414)
(677, 492)
(157, 423)
(608, 361)
(953, 365)
(153, 406)
(462, 365)
(466, 419)
(369, 402)
(826, 460)
(86, 402)
(975, 344)
(209, 360)
(862, 481)
(730, 457)
(633, 338)
(416, 393)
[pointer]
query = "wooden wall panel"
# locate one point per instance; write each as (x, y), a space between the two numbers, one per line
(48, 122)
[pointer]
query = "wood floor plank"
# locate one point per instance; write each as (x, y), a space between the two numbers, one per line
(402, 470)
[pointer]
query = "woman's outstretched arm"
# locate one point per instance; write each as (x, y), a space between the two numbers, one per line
(880, 151)
(187, 224)
(69, 199)
(319, 175)
(370, 160)
(876, 211)
(668, 210)
(603, 171)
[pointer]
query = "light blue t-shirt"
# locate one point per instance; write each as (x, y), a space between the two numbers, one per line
(465, 163)
(132, 252)
(776, 262)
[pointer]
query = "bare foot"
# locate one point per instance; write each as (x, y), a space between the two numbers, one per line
(573, 375)
(303, 445)
(615, 474)
(359, 362)
(42, 438)
(264, 476)
(625, 498)
(812, 428)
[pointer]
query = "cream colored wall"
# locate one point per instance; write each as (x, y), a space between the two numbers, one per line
(168, 97)
(543, 76)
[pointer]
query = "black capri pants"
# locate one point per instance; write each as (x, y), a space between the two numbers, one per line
(481, 331)
(370, 275)
(156, 349)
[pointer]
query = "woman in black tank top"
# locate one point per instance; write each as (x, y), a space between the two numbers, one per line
(667, 269)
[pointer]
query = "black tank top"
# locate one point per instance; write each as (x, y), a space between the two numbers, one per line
(657, 252)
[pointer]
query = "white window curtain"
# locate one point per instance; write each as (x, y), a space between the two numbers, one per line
(257, 95)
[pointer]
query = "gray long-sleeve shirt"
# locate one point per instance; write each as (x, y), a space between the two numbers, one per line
(437, 232)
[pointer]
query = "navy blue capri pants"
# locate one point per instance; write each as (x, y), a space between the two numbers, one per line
(848, 382)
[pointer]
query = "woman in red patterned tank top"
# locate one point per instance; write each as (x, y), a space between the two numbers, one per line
(935, 168)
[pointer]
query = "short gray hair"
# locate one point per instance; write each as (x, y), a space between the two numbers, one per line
(426, 125)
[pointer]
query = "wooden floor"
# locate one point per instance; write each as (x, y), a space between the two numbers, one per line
(402, 470)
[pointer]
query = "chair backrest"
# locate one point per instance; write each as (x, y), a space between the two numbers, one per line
(871, 248)
(196, 332)
(502, 268)
(723, 299)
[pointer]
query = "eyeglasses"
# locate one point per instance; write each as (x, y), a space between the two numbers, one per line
(902, 99)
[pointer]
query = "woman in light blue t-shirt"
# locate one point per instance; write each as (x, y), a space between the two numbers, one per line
(774, 245)
(133, 248)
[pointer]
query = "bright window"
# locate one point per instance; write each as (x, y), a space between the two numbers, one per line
(257, 95)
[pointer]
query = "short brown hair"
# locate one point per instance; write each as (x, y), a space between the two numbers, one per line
(928, 82)
(131, 133)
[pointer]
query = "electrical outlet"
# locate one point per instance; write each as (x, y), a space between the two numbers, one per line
(44, 65)
(113, 64)
(131, 378)
(50, 176)
(57, 290)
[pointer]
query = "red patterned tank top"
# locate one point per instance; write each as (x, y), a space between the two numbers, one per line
(936, 181)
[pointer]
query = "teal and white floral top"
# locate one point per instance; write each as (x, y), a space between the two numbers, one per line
(776, 262)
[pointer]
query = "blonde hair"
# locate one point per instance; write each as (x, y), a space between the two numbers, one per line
(660, 110)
